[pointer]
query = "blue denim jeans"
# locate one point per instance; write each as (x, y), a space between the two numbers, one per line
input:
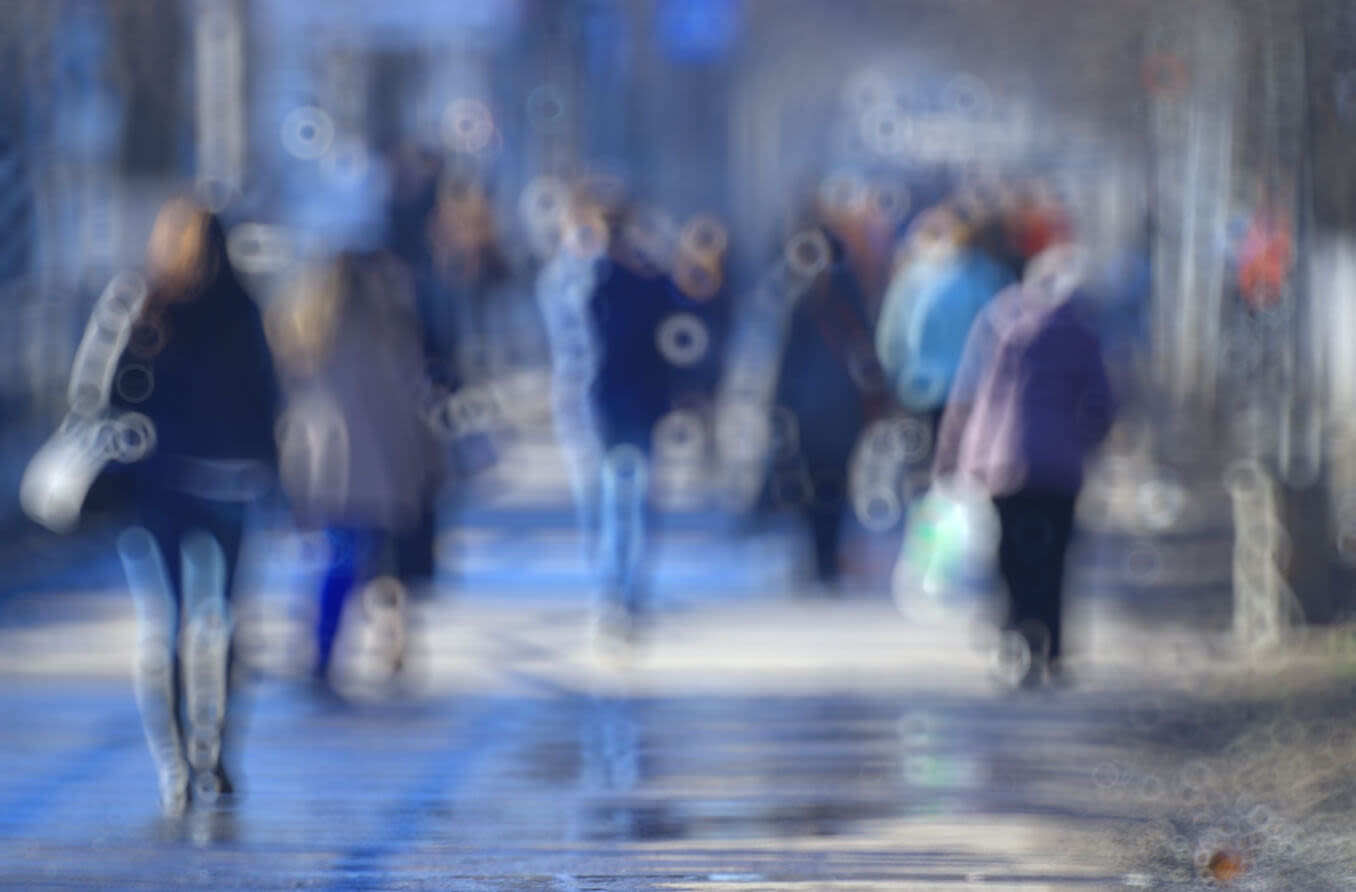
(352, 557)
(623, 525)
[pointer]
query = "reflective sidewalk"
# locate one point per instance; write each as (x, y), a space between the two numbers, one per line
(771, 745)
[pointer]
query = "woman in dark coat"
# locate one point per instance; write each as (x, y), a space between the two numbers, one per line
(832, 385)
(196, 400)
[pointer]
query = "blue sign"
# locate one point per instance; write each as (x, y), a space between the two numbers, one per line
(698, 30)
(481, 22)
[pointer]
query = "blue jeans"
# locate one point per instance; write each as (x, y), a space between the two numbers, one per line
(177, 585)
(352, 558)
(623, 525)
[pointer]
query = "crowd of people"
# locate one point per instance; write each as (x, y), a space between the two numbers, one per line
(973, 315)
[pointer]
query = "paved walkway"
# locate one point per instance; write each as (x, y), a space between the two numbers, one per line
(759, 740)
(771, 745)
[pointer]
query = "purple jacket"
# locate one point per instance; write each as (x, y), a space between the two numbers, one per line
(1031, 399)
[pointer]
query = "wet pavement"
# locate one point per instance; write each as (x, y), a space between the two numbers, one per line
(758, 739)
(778, 745)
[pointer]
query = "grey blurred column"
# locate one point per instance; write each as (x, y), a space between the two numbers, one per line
(1192, 140)
(219, 62)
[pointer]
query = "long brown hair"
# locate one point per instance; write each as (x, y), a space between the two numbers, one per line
(186, 253)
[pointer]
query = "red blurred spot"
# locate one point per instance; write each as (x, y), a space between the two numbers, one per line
(1035, 228)
(1264, 263)
(1226, 865)
(1165, 75)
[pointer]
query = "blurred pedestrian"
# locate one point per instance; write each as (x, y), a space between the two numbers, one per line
(197, 369)
(473, 273)
(936, 295)
(358, 454)
(830, 384)
(1030, 403)
(630, 309)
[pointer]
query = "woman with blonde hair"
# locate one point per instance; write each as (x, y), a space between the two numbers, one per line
(358, 456)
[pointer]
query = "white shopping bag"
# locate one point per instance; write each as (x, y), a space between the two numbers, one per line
(947, 559)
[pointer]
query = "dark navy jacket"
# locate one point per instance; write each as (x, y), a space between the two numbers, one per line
(816, 383)
(634, 385)
(213, 392)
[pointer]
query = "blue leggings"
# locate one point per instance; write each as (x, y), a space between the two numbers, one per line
(353, 557)
(623, 520)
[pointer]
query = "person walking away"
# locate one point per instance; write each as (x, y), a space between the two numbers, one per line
(357, 452)
(1031, 402)
(832, 386)
(197, 369)
(929, 310)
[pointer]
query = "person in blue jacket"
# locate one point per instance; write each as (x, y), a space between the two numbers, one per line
(934, 299)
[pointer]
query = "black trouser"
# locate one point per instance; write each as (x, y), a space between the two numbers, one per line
(826, 523)
(824, 513)
(1033, 545)
(934, 420)
(416, 551)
